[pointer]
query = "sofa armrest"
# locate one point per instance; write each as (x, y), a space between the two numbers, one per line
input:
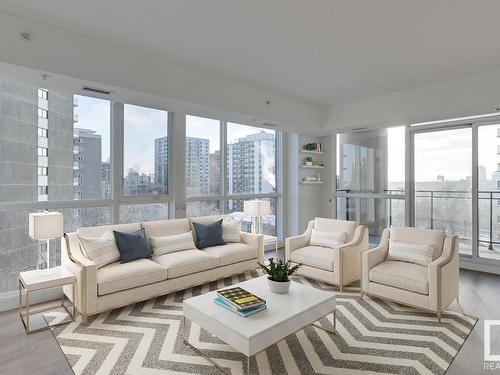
(443, 274)
(256, 241)
(85, 272)
(370, 258)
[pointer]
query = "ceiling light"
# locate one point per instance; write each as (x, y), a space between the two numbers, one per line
(476, 117)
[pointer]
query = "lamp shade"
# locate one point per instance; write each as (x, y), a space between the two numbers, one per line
(46, 225)
(257, 208)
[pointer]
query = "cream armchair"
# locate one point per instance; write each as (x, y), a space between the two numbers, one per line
(431, 288)
(338, 266)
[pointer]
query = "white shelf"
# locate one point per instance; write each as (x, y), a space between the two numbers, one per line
(312, 166)
(312, 182)
(311, 152)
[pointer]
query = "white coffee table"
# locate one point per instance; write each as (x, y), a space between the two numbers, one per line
(286, 314)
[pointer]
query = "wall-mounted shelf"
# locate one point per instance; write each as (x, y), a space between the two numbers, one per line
(312, 182)
(312, 166)
(311, 152)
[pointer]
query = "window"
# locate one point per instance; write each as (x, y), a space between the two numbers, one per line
(43, 190)
(42, 151)
(42, 171)
(251, 160)
(202, 156)
(43, 113)
(42, 132)
(92, 132)
(43, 93)
(134, 213)
(146, 160)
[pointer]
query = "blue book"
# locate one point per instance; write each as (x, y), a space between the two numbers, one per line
(244, 313)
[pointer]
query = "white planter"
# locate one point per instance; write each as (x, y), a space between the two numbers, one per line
(280, 287)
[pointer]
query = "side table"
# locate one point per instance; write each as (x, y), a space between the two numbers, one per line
(37, 280)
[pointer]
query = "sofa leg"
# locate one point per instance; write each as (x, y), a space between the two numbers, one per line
(439, 316)
(84, 318)
(362, 294)
(341, 288)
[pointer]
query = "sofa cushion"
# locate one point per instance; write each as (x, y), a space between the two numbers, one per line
(209, 234)
(122, 276)
(314, 256)
(170, 244)
(420, 236)
(401, 275)
(132, 246)
(336, 226)
(232, 253)
(101, 250)
(186, 262)
(204, 220)
(162, 228)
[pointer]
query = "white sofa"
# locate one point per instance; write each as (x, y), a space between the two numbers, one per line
(431, 288)
(116, 284)
(338, 266)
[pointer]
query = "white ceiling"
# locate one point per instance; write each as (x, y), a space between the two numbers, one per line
(322, 52)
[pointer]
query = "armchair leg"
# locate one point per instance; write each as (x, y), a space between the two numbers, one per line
(362, 294)
(84, 318)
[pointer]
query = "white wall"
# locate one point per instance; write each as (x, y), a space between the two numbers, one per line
(66, 54)
(462, 97)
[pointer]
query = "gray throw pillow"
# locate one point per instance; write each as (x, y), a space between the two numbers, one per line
(132, 246)
(208, 235)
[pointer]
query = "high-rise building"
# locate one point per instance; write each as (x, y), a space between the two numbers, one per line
(250, 164)
(161, 161)
(36, 164)
(106, 179)
(197, 166)
(87, 164)
(214, 171)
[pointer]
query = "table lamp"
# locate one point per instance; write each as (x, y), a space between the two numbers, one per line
(256, 209)
(45, 226)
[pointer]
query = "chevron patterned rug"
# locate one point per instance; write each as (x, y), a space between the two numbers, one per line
(372, 337)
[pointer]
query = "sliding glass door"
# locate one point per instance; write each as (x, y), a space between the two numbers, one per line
(442, 191)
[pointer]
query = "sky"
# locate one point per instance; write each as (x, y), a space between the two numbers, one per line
(143, 125)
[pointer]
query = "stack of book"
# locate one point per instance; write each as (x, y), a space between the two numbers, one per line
(239, 301)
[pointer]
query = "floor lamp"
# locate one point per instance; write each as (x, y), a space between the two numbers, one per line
(256, 209)
(45, 226)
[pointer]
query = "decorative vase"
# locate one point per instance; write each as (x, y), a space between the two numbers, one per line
(280, 287)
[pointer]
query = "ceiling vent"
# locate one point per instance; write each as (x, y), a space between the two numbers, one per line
(96, 90)
(361, 129)
(269, 124)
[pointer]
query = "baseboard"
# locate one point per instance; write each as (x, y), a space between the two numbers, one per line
(10, 300)
(481, 266)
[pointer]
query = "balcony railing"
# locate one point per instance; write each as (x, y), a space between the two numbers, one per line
(440, 209)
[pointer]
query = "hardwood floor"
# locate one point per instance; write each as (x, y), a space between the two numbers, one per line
(39, 353)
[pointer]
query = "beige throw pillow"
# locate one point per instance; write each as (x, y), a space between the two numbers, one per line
(412, 253)
(170, 244)
(101, 250)
(231, 229)
(327, 239)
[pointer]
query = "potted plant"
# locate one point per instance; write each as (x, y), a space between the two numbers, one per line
(279, 275)
(309, 160)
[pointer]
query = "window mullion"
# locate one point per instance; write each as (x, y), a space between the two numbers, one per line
(117, 119)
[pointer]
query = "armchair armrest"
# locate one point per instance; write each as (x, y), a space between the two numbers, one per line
(443, 275)
(85, 272)
(256, 241)
(347, 262)
(296, 242)
(370, 258)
